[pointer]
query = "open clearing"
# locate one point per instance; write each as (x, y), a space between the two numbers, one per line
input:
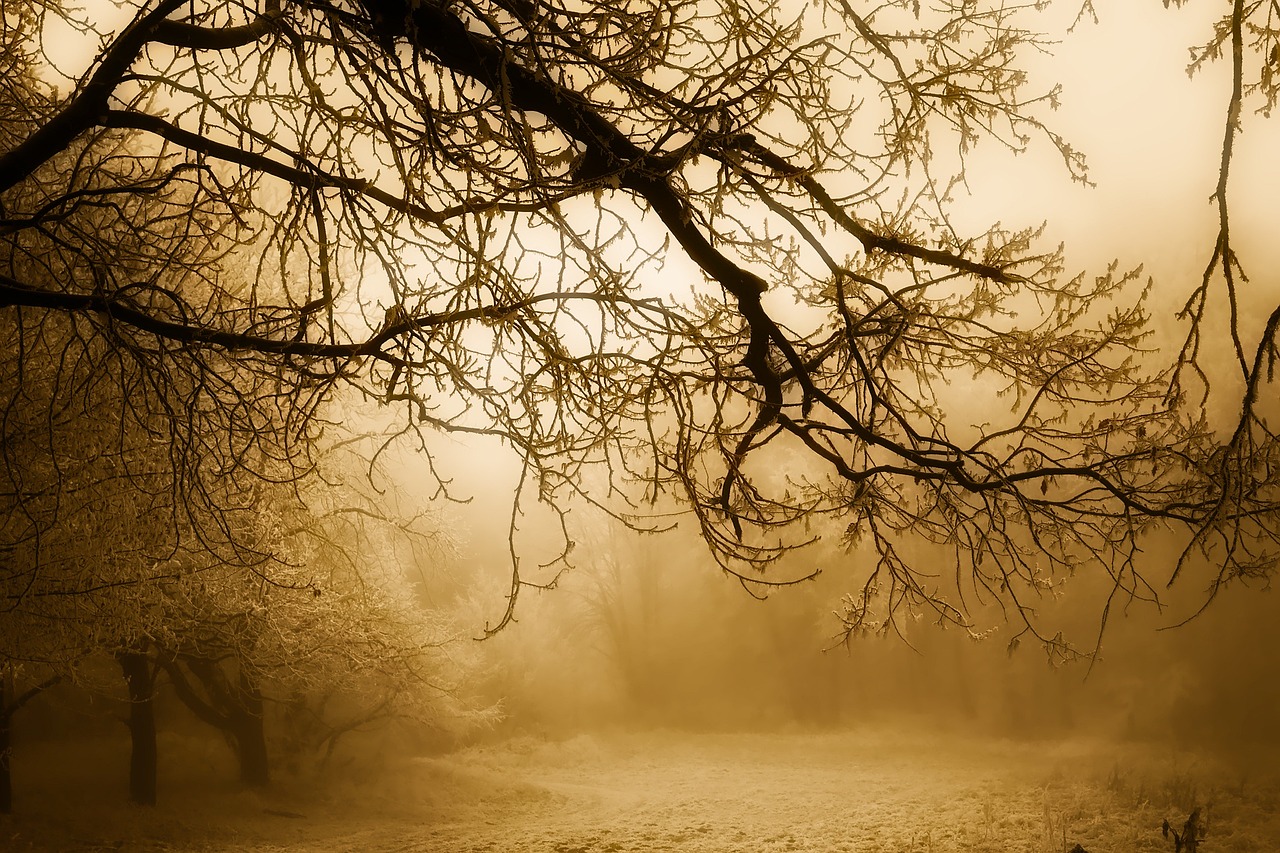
(673, 791)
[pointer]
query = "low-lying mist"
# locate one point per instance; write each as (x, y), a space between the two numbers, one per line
(649, 683)
(649, 636)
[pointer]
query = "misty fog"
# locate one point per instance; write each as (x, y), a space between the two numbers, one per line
(648, 702)
(482, 671)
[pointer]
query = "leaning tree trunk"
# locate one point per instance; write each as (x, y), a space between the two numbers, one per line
(236, 709)
(142, 726)
(250, 733)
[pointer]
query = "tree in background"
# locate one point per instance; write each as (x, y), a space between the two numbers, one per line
(112, 472)
(333, 637)
(102, 517)
(254, 591)
(317, 613)
(143, 500)
(89, 513)
(709, 247)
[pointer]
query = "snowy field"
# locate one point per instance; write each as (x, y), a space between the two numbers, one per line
(667, 791)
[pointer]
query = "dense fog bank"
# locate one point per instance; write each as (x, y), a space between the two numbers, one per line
(645, 634)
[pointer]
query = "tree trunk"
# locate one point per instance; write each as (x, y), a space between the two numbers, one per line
(235, 709)
(6, 741)
(142, 726)
(10, 701)
(250, 733)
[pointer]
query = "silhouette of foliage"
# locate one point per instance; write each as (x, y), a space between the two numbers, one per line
(707, 247)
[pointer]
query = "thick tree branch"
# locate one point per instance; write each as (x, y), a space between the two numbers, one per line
(433, 28)
(309, 176)
(187, 693)
(27, 695)
(88, 107)
(194, 37)
(122, 310)
(13, 292)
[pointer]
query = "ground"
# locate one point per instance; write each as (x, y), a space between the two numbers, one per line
(863, 791)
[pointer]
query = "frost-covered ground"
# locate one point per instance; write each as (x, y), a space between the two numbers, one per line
(672, 791)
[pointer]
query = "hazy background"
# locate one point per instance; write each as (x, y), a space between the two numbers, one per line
(645, 633)
(645, 630)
